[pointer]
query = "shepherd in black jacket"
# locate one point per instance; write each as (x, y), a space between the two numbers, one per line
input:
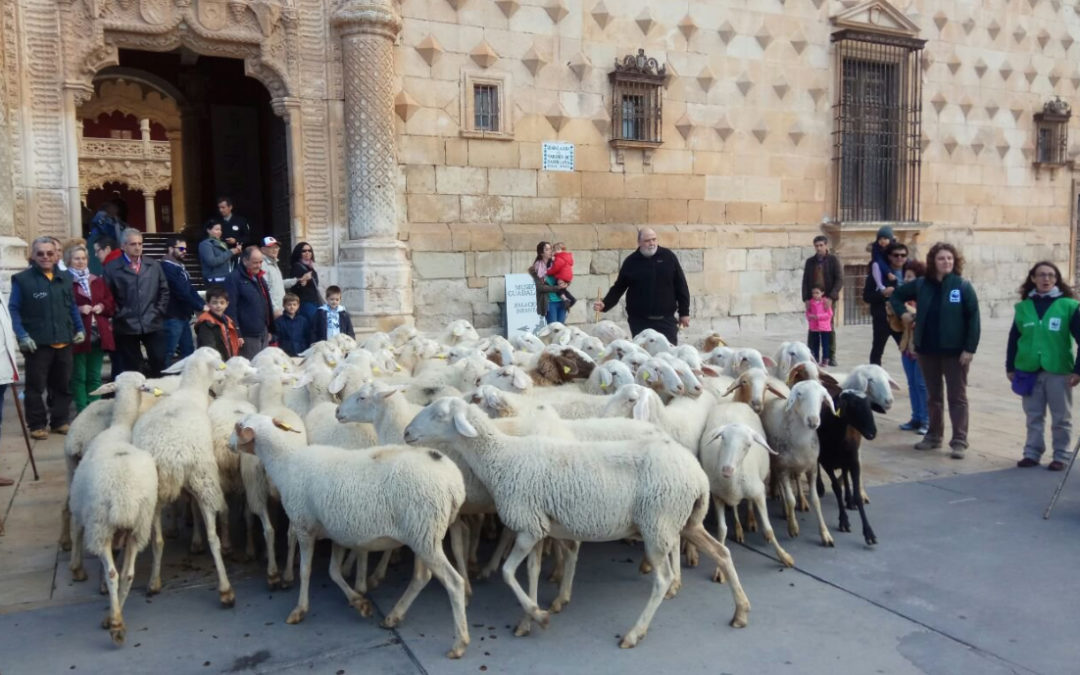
(655, 288)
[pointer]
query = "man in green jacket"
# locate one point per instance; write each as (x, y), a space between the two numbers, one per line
(946, 337)
(46, 323)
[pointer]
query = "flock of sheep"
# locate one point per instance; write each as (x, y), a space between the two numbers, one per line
(410, 440)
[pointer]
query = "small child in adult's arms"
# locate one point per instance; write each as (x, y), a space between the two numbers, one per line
(562, 268)
(331, 319)
(819, 315)
(216, 329)
(293, 328)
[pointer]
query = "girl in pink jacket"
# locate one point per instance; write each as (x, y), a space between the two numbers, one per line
(819, 314)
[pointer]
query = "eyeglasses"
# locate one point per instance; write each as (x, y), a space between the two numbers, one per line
(1044, 275)
(306, 250)
(180, 248)
(43, 254)
(898, 255)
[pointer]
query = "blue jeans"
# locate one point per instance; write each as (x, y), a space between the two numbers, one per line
(556, 311)
(916, 389)
(177, 334)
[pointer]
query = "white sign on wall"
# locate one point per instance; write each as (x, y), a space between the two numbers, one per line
(558, 156)
(521, 316)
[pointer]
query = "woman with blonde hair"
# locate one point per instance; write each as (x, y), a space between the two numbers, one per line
(96, 306)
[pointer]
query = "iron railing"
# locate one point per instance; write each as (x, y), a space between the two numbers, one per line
(486, 107)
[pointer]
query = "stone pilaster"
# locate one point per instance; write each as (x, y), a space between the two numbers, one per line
(374, 270)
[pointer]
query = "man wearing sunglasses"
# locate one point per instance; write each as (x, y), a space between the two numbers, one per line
(184, 302)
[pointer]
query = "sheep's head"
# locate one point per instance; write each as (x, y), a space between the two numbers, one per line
(750, 387)
(377, 341)
(658, 375)
(734, 442)
(492, 401)
(634, 401)
(747, 358)
(272, 356)
(328, 352)
(652, 341)
(805, 401)
(593, 346)
(446, 419)
(608, 331)
(712, 341)
(508, 378)
(554, 333)
(459, 353)
(691, 356)
(876, 382)
(791, 353)
(402, 334)
(499, 351)
(363, 404)
(527, 342)
(579, 363)
(722, 357)
(344, 342)
(459, 331)
(855, 408)
(800, 372)
(691, 383)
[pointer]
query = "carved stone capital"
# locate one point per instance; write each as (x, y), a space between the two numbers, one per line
(367, 16)
(80, 92)
(285, 107)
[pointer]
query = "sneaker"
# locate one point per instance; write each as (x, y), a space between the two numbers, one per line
(957, 452)
(910, 425)
(1027, 463)
(924, 428)
(1056, 466)
(928, 444)
(39, 434)
(62, 429)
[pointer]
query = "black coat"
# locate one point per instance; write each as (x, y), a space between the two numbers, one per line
(654, 286)
(236, 227)
(141, 299)
(833, 273)
(309, 292)
(249, 303)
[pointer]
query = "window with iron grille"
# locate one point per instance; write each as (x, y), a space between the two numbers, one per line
(856, 311)
(876, 136)
(637, 101)
(1052, 133)
(484, 109)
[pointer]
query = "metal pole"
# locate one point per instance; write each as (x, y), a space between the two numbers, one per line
(25, 431)
(1061, 485)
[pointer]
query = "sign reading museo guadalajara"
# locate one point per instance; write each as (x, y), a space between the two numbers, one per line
(558, 156)
(521, 314)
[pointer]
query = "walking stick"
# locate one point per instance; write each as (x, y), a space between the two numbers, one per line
(596, 312)
(25, 431)
(1061, 485)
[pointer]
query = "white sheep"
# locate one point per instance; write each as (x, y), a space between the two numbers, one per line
(755, 387)
(652, 341)
(113, 496)
(554, 333)
(874, 381)
(791, 429)
(788, 355)
(377, 341)
(620, 349)
(608, 331)
(583, 492)
(607, 377)
(527, 342)
(457, 332)
(735, 456)
(402, 334)
(371, 499)
(320, 421)
(177, 433)
(683, 419)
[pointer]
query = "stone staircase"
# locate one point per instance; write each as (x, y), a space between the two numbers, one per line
(156, 246)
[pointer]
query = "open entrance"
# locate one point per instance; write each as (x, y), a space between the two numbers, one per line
(167, 133)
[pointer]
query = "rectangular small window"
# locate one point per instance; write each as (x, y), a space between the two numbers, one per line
(1052, 133)
(486, 107)
(637, 101)
(633, 117)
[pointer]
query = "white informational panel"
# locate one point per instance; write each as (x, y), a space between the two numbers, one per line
(521, 316)
(558, 156)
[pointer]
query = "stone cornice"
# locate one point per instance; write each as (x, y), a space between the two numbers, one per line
(367, 16)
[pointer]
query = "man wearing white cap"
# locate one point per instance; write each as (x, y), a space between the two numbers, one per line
(270, 249)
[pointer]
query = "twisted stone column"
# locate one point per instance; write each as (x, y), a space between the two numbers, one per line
(373, 267)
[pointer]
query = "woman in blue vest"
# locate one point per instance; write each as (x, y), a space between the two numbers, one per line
(1040, 360)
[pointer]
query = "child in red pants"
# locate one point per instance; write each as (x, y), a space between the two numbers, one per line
(562, 268)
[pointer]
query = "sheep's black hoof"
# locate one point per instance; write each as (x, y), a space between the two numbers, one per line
(871, 539)
(844, 526)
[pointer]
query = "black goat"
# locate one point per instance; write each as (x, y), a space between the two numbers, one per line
(840, 437)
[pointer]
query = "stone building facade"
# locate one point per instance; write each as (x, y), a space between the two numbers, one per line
(412, 135)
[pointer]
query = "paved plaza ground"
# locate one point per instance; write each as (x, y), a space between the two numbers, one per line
(967, 578)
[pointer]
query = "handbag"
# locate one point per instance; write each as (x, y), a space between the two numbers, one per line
(1023, 382)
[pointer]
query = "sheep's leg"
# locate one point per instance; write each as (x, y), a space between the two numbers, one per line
(838, 489)
(558, 555)
(458, 533)
(172, 525)
(758, 502)
(76, 564)
(823, 529)
(115, 620)
(290, 558)
(721, 532)
(307, 552)
(720, 553)
(506, 540)
(127, 574)
(65, 524)
(849, 499)
(225, 590)
(789, 504)
(569, 567)
(198, 545)
(380, 570)
(523, 546)
(273, 575)
(533, 573)
(420, 578)
(249, 537)
(454, 583)
(475, 527)
(360, 582)
(676, 572)
(739, 534)
(662, 577)
(223, 529)
(868, 532)
(751, 519)
(803, 504)
(157, 541)
(692, 557)
(356, 600)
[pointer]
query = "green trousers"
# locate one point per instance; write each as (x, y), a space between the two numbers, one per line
(86, 377)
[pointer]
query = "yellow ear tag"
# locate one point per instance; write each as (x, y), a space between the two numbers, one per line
(603, 386)
(566, 370)
(397, 367)
(285, 427)
(645, 375)
(440, 356)
(839, 412)
(332, 364)
(375, 369)
(221, 367)
(157, 392)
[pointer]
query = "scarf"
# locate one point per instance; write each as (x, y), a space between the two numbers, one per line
(83, 277)
(1054, 292)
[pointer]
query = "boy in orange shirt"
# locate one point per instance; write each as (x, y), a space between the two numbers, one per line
(216, 329)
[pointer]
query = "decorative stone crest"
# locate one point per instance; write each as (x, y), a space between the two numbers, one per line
(641, 66)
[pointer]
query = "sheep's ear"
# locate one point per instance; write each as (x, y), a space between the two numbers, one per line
(790, 404)
(893, 385)
(827, 379)
(176, 368)
(245, 434)
(521, 380)
(768, 361)
(388, 392)
(284, 426)
(716, 433)
(337, 383)
(775, 391)
(642, 408)
(463, 426)
(107, 388)
(734, 385)
(829, 402)
(760, 440)
(709, 371)
(304, 381)
(309, 351)
(797, 370)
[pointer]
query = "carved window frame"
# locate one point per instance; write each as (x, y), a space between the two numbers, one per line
(643, 78)
(1053, 126)
(501, 82)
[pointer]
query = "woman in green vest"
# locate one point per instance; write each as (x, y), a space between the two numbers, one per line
(946, 337)
(1040, 361)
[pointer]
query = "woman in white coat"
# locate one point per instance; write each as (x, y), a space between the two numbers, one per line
(9, 371)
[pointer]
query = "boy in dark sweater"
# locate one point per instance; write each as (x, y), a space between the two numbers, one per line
(331, 318)
(216, 329)
(293, 329)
